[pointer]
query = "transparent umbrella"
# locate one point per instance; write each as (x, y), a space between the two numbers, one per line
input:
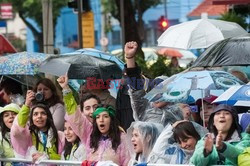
(199, 33)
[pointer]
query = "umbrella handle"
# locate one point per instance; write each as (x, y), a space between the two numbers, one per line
(1, 79)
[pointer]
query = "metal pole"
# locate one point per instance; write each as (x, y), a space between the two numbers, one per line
(165, 9)
(79, 5)
(48, 36)
(48, 33)
(103, 22)
(122, 22)
(64, 162)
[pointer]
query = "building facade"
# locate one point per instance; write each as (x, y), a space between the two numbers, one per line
(67, 28)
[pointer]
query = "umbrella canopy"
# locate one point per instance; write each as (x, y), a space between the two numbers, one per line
(170, 52)
(192, 85)
(199, 33)
(235, 96)
(81, 66)
(99, 54)
(229, 52)
(22, 63)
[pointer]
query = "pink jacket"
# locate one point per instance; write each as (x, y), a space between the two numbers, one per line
(83, 128)
(21, 137)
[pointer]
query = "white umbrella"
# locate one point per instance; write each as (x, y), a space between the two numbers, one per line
(199, 33)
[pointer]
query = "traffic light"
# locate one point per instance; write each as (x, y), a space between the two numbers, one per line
(162, 23)
(85, 6)
(72, 4)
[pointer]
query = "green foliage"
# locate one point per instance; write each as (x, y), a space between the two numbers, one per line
(242, 10)
(144, 5)
(233, 17)
(18, 44)
(160, 67)
(139, 7)
(109, 6)
(33, 9)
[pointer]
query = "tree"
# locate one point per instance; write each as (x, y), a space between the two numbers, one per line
(133, 12)
(234, 17)
(134, 24)
(33, 9)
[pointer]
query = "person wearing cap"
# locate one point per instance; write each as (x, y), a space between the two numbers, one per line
(7, 116)
(206, 108)
(224, 142)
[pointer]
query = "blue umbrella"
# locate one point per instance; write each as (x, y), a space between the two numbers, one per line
(235, 96)
(21, 63)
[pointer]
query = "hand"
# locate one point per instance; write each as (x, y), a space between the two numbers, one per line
(178, 122)
(208, 146)
(63, 81)
(36, 156)
(30, 95)
(130, 49)
(219, 141)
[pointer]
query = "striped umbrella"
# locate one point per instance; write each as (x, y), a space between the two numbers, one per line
(235, 96)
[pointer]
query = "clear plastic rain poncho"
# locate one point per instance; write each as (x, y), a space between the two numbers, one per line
(149, 133)
(168, 151)
(143, 110)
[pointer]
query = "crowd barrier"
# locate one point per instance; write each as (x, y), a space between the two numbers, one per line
(63, 162)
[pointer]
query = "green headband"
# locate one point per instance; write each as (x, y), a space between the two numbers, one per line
(99, 110)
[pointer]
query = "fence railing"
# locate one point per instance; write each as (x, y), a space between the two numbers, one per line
(65, 162)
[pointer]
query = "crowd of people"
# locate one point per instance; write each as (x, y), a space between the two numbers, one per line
(125, 131)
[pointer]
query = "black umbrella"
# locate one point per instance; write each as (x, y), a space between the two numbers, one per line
(79, 66)
(229, 52)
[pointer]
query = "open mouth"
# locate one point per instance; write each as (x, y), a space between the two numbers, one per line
(135, 146)
(39, 122)
(102, 126)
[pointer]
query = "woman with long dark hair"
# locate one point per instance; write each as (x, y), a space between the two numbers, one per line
(7, 116)
(34, 134)
(224, 142)
(107, 141)
(50, 97)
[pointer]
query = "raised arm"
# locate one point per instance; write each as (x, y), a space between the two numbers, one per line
(130, 50)
(20, 134)
(157, 154)
(79, 123)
